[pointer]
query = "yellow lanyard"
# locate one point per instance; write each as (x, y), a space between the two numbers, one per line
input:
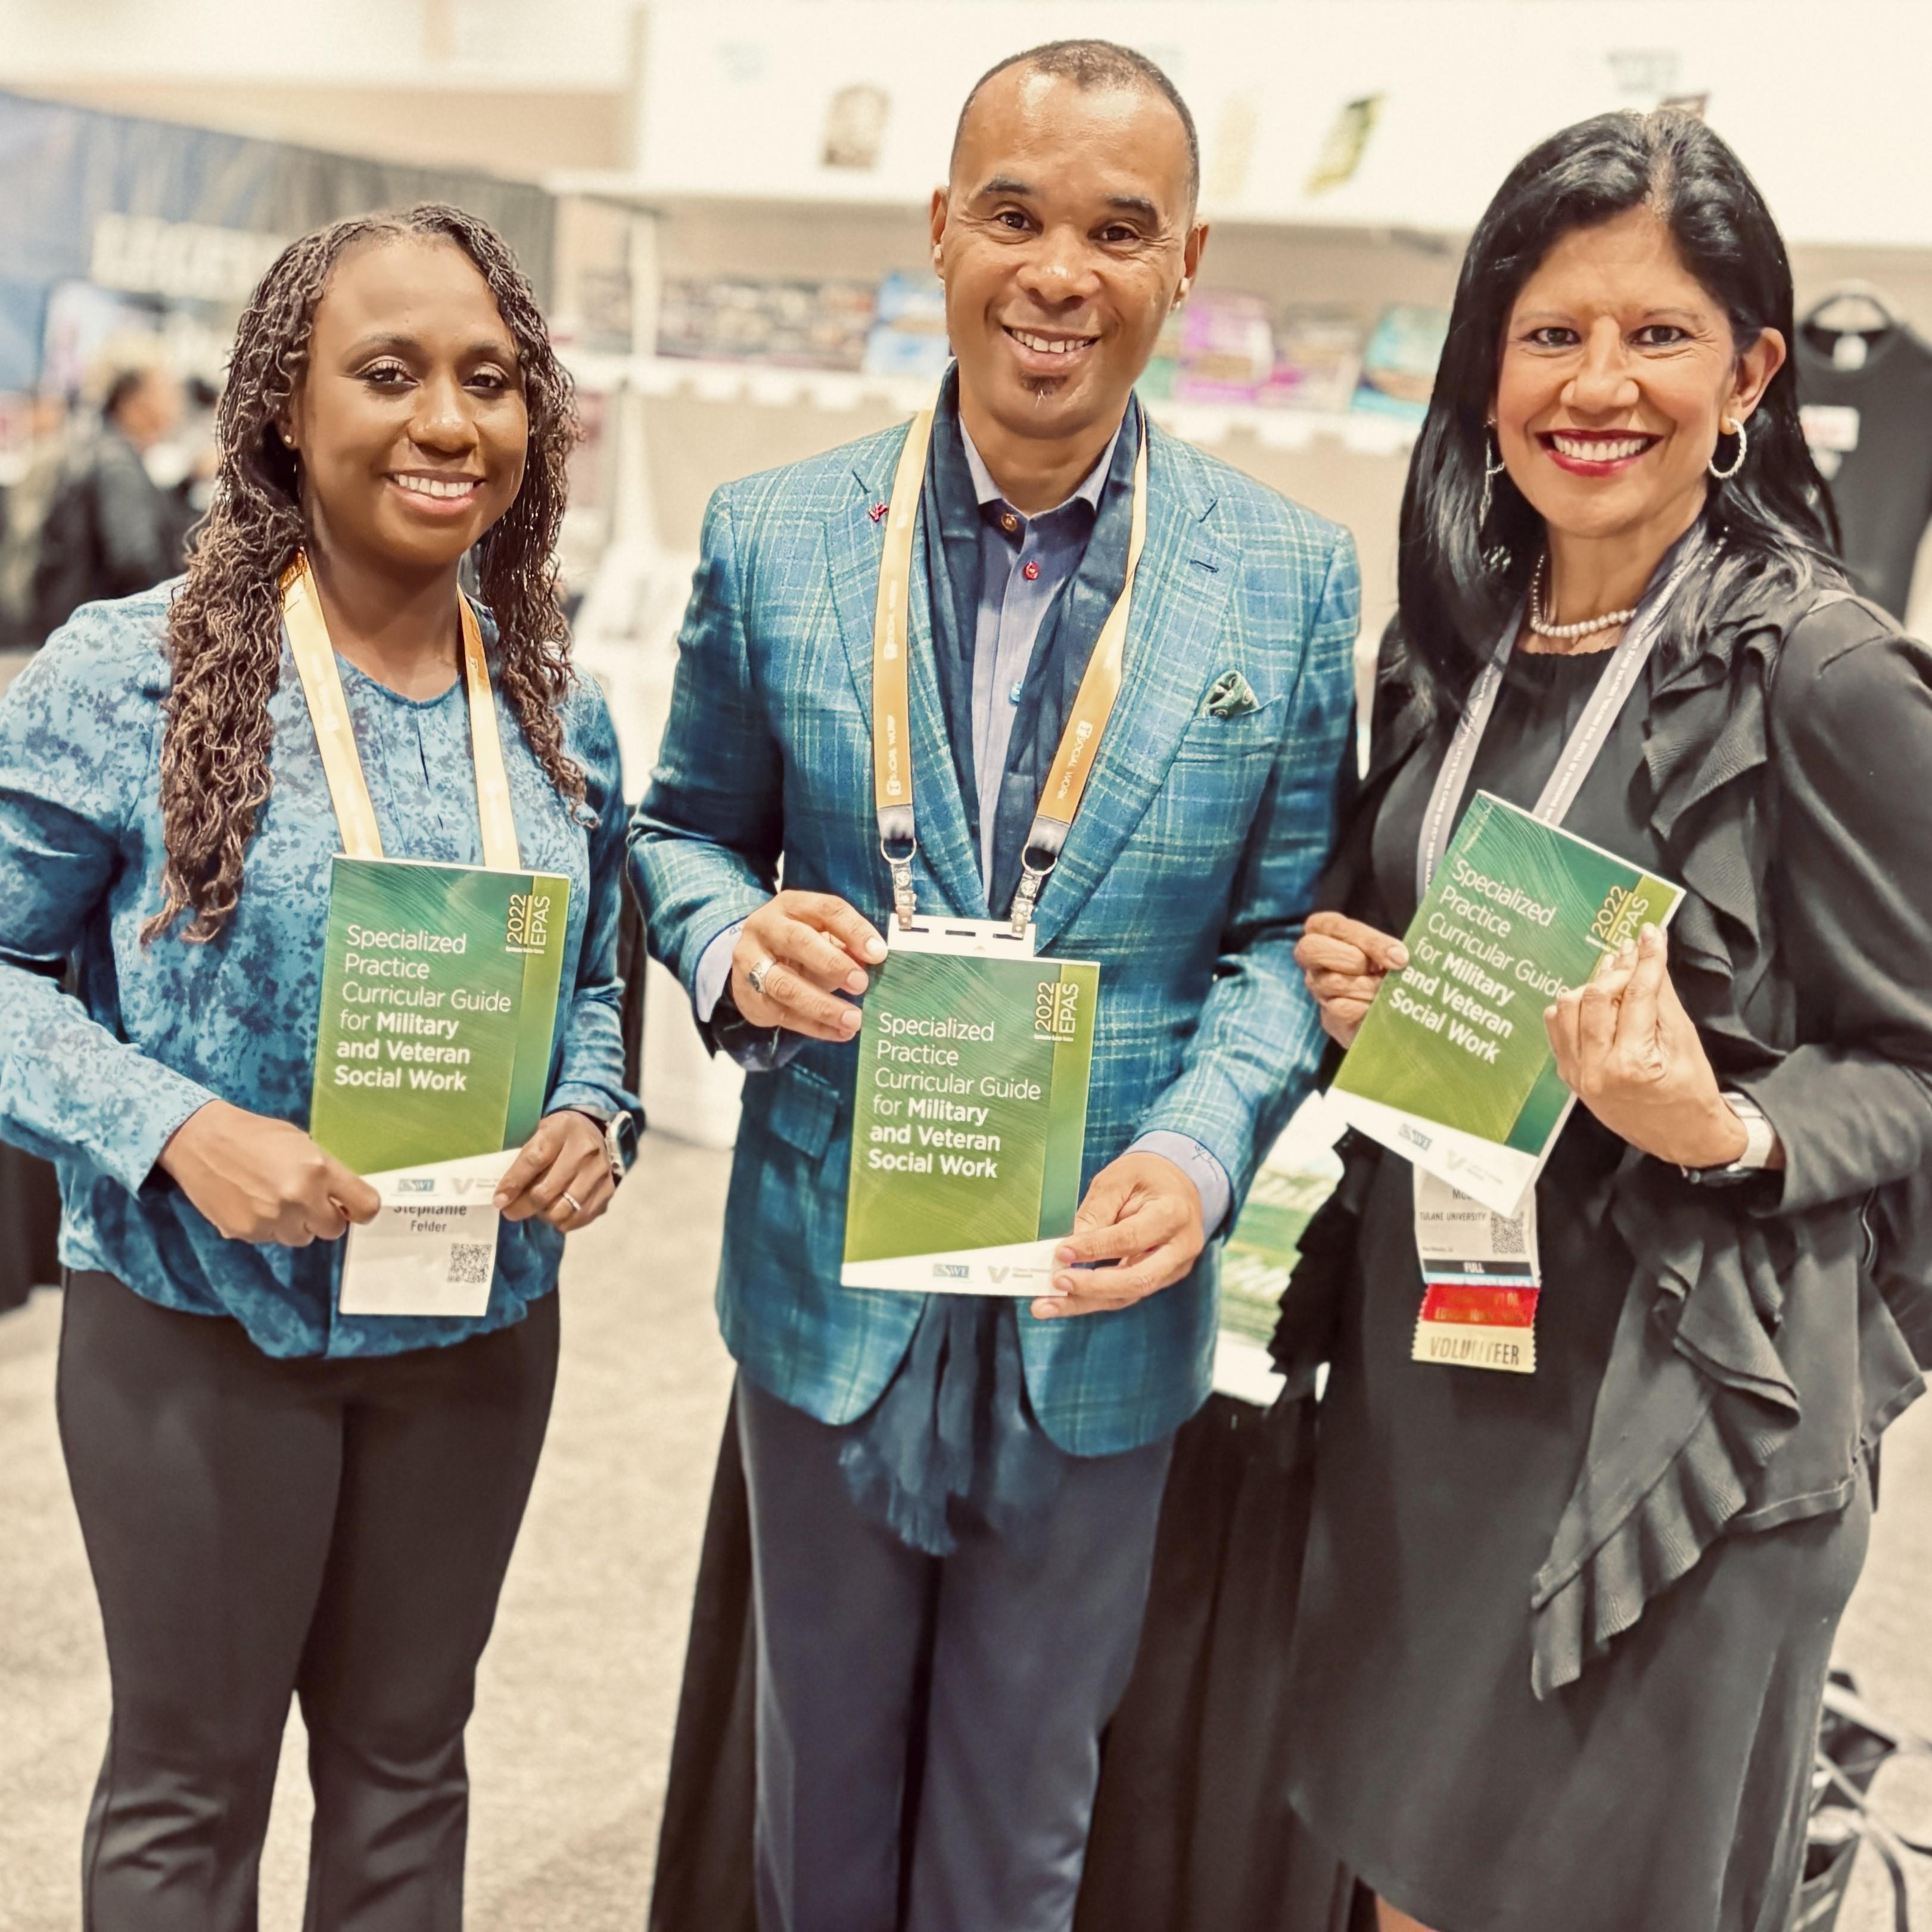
(342, 764)
(892, 738)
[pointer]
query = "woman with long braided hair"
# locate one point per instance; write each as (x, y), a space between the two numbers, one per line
(278, 1496)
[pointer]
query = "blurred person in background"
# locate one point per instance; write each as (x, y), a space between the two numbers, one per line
(1562, 1638)
(185, 466)
(110, 529)
(278, 1497)
(27, 502)
(953, 1499)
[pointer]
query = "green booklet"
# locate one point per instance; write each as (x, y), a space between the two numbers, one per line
(1298, 1175)
(1452, 1067)
(439, 1006)
(970, 1120)
(1265, 1242)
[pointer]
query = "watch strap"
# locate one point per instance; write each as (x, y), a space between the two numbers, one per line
(1760, 1137)
(620, 1138)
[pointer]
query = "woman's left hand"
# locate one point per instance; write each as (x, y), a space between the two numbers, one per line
(562, 1175)
(1626, 1048)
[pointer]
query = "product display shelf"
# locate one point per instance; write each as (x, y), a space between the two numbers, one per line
(839, 391)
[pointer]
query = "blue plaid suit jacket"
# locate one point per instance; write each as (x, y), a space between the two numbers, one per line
(1186, 875)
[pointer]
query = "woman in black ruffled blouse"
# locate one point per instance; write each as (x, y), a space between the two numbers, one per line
(1563, 1636)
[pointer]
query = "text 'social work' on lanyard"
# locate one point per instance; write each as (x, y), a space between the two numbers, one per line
(891, 739)
(1580, 750)
(342, 764)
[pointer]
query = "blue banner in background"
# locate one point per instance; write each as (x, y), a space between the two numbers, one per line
(23, 312)
(189, 214)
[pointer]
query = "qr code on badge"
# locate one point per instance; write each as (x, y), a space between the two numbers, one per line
(1505, 1236)
(471, 1263)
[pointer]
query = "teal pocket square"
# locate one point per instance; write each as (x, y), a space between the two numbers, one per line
(1231, 696)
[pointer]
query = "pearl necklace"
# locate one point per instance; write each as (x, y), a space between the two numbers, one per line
(1611, 620)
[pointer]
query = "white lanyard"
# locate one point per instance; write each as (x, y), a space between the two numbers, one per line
(1580, 749)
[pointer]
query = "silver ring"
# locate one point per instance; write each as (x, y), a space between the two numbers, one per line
(576, 1205)
(755, 975)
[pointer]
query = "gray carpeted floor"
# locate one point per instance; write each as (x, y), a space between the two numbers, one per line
(572, 1732)
(573, 1728)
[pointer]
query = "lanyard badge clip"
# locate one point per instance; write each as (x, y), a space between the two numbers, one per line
(899, 863)
(1032, 877)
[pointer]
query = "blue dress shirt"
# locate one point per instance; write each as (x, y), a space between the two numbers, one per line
(99, 1083)
(1025, 563)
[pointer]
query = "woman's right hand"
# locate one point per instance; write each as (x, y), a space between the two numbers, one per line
(1342, 963)
(261, 1180)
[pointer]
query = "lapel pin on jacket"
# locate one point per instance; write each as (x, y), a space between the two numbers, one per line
(1231, 696)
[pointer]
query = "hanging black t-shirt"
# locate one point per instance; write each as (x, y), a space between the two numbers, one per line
(1871, 430)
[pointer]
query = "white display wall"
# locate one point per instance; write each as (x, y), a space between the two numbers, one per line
(1826, 104)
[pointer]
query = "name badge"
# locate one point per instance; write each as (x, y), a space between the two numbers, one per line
(432, 1247)
(1481, 1281)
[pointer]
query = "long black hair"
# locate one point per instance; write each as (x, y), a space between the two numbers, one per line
(1460, 575)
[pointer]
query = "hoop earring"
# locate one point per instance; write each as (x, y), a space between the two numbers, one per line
(1738, 462)
(1491, 471)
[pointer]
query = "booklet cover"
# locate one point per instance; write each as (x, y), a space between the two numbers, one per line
(1452, 1067)
(969, 1122)
(439, 1004)
(1298, 1175)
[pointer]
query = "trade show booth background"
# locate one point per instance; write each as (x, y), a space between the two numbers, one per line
(732, 244)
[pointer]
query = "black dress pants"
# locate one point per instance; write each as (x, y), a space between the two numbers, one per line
(928, 1728)
(338, 1530)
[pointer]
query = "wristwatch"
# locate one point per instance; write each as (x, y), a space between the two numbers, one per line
(620, 1138)
(1760, 1137)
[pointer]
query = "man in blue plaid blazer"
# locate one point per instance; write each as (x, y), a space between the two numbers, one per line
(953, 1502)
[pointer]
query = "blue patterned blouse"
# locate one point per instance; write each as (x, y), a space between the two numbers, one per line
(98, 1084)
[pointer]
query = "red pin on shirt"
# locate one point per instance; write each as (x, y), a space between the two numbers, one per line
(1030, 570)
(877, 512)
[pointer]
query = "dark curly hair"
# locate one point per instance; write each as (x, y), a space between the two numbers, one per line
(224, 625)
